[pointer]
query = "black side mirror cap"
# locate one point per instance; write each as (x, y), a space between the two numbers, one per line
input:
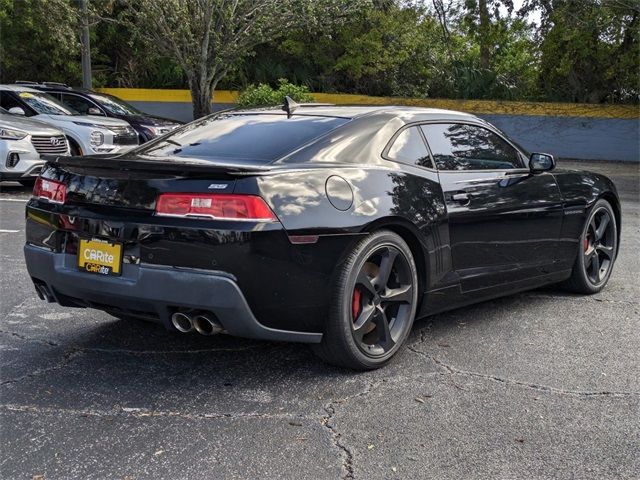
(541, 162)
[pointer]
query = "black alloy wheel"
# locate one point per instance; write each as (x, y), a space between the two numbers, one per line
(381, 300)
(598, 248)
(374, 303)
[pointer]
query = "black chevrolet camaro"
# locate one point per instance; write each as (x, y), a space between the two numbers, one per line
(335, 226)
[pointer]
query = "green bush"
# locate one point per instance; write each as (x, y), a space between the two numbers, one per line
(263, 95)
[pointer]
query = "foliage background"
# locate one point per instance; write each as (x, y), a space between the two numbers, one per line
(577, 50)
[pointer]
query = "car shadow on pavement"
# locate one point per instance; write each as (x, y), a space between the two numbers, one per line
(107, 363)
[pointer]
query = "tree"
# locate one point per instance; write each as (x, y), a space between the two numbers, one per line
(481, 19)
(38, 39)
(209, 38)
(484, 29)
(589, 49)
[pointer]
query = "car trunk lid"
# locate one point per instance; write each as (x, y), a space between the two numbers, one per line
(135, 184)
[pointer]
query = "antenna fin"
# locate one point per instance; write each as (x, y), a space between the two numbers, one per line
(289, 106)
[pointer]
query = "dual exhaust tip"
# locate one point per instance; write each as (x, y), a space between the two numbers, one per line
(205, 323)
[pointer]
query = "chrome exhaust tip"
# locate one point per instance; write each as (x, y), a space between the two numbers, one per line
(182, 322)
(207, 324)
(44, 294)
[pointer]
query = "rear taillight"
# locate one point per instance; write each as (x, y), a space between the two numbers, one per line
(55, 192)
(214, 206)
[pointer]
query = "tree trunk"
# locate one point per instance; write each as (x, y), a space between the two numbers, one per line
(201, 93)
(485, 54)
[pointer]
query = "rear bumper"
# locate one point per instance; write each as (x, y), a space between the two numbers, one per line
(154, 290)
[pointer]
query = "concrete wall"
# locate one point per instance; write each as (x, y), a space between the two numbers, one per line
(590, 132)
(573, 137)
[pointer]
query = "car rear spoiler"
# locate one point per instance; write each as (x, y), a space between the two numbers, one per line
(158, 165)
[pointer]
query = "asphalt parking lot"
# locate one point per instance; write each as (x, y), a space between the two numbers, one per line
(542, 384)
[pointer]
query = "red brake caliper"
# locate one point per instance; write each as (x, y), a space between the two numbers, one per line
(355, 304)
(586, 243)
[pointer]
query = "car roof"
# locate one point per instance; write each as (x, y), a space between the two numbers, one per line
(408, 114)
(18, 88)
(54, 87)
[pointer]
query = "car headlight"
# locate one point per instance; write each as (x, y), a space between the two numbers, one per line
(10, 134)
(158, 130)
(97, 138)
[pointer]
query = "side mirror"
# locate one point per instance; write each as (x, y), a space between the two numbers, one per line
(94, 111)
(17, 111)
(541, 162)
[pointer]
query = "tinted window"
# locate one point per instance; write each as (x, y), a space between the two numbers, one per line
(114, 105)
(251, 138)
(468, 147)
(409, 147)
(9, 101)
(79, 104)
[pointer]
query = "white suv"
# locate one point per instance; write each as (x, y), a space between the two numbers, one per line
(22, 142)
(87, 135)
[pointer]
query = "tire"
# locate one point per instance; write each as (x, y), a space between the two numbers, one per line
(27, 183)
(370, 317)
(597, 251)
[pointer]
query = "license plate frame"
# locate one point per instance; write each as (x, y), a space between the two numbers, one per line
(99, 256)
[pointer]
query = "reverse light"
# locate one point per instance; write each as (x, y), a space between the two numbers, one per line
(214, 206)
(55, 192)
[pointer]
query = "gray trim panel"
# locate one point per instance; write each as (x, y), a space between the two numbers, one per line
(157, 289)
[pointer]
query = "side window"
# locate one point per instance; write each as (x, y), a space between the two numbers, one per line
(7, 101)
(79, 104)
(468, 147)
(409, 147)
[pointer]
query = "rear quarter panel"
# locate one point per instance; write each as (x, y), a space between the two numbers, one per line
(406, 199)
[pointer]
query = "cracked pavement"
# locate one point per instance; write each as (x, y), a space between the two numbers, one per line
(543, 384)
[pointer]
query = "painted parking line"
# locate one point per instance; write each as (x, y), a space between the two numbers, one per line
(8, 231)
(14, 199)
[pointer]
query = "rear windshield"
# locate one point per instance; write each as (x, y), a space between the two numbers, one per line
(250, 138)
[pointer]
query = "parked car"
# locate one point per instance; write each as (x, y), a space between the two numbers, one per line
(88, 102)
(22, 142)
(87, 135)
(335, 226)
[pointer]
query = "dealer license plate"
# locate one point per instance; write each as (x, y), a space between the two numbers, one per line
(100, 256)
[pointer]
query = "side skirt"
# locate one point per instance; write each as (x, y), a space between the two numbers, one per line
(449, 298)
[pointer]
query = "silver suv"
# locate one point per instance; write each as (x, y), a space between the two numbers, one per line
(22, 142)
(87, 135)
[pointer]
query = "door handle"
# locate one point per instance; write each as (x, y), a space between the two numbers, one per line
(461, 197)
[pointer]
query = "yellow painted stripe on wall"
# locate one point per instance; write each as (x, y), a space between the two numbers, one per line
(492, 106)
(165, 95)
(472, 106)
